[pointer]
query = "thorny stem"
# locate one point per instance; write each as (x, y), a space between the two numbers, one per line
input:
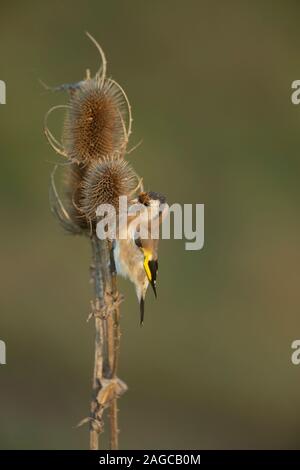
(114, 431)
(107, 338)
(95, 426)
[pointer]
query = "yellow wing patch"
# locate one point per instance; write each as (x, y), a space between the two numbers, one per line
(146, 266)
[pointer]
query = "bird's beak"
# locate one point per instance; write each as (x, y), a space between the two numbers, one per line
(153, 267)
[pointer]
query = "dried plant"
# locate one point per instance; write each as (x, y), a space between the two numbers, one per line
(95, 134)
(96, 131)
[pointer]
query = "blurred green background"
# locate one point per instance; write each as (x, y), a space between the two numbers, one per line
(209, 83)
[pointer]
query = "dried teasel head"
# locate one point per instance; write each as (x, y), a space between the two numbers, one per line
(98, 117)
(95, 135)
(95, 121)
(73, 179)
(104, 182)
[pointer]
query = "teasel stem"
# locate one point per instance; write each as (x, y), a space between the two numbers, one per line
(107, 338)
(114, 431)
(96, 420)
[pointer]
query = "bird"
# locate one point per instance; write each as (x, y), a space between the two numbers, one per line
(136, 256)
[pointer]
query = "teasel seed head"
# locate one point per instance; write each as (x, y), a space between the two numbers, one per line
(95, 121)
(104, 182)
